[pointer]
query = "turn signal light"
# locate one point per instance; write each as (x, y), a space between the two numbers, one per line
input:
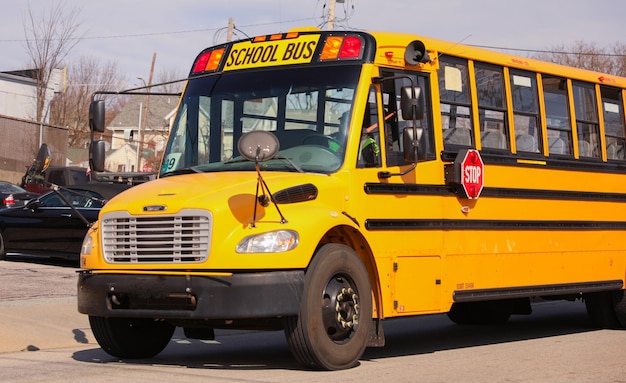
(208, 61)
(342, 47)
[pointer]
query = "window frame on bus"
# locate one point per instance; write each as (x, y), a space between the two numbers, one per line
(587, 120)
(527, 124)
(492, 107)
(614, 131)
(557, 116)
(455, 102)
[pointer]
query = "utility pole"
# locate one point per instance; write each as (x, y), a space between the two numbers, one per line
(331, 15)
(231, 28)
(144, 115)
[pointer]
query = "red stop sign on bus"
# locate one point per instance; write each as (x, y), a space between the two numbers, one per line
(472, 171)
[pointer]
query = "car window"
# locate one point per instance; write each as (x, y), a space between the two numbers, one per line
(79, 199)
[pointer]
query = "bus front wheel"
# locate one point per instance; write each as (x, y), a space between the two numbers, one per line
(131, 338)
(331, 331)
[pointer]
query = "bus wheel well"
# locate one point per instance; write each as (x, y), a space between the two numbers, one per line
(349, 236)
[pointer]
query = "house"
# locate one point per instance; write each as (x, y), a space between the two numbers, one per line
(129, 140)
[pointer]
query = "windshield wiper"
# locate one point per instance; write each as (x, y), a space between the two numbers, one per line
(289, 161)
(299, 169)
(188, 170)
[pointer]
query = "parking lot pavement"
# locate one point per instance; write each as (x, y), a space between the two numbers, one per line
(42, 323)
(38, 306)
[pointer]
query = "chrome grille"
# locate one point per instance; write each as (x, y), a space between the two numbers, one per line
(178, 238)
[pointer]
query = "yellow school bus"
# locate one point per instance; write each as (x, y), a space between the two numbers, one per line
(320, 182)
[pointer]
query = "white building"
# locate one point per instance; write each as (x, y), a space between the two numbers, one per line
(18, 93)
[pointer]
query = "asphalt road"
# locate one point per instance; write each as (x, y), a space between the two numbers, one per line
(44, 339)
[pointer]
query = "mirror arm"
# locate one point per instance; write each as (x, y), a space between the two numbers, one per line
(385, 175)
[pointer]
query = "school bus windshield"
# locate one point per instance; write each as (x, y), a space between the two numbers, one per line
(301, 106)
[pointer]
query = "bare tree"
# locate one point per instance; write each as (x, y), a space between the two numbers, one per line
(619, 52)
(170, 77)
(49, 38)
(588, 56)
(71, 109)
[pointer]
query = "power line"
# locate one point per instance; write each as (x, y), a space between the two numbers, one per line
(163, 33)
(549, 51)
(345, 19)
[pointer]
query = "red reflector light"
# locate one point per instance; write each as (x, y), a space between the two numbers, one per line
(201, 62)
(351, 47)
(342, 47)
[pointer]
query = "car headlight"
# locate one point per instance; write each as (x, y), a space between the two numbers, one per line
(272, 242)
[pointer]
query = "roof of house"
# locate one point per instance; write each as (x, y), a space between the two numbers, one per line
(160, 108)
(77, 155)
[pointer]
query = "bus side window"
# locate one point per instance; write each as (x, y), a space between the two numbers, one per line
(587, 124)
(494, 132)
(614, 130)
(369, 144)
(557, 116)
(525, 111)
(455, 101)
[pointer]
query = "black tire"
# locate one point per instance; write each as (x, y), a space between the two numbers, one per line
(332, 330)
(619, 306)
(460, 313)
(601, 310)
(131, 338)
(481, 313)
(3, 253)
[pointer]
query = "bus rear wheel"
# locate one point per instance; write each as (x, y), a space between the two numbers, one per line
(131, 338)
(331, 331)
(606, 309)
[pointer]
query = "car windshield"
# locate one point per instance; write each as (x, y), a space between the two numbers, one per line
(301, 106)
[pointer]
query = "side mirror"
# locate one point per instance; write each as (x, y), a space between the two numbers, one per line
(97, 155)
(415, 148)
(42, 161)
(33, 204)
(96, 116)
(412, 103)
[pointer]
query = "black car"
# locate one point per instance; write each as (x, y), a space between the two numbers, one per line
(13, 195)
(49, 226)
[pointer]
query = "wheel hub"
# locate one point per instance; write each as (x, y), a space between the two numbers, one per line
(340, 309)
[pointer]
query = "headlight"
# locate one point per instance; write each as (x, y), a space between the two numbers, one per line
(87, 244)
(272, 242)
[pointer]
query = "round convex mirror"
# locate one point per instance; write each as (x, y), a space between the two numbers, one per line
(258, 145)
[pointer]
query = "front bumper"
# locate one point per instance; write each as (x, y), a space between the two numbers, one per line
(247, 295)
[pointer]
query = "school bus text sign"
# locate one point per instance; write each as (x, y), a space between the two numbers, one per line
(250, 54)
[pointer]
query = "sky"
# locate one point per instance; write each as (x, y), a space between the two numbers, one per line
(129, 32)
